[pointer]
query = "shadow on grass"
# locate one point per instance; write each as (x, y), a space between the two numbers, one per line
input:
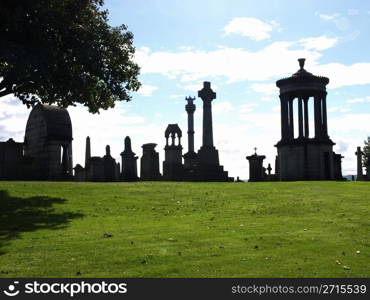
(18, 215)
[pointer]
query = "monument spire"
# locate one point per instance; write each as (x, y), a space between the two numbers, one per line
(87, 152)
(190, 109)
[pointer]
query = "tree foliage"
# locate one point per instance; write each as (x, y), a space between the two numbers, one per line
(64, 52)
(366, 151)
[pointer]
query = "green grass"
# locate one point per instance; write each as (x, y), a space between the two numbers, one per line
(167, 229)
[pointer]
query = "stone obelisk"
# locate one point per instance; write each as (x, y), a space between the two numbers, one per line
(87, 152)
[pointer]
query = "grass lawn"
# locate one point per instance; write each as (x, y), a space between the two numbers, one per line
(168, 229)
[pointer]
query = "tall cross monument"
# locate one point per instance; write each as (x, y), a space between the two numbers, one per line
(207, 153)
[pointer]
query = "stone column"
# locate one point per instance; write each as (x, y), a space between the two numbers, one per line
(284, 117)
(207, 95)
(300, 116)
(291, 119)
(306, 122)
(318, 120)
(65, 162)
(190, 109)
(324, 116)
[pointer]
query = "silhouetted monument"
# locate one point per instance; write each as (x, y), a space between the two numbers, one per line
(97, 168)
(360, 175)
(149, 163)
(367, 168)
(302, 157)
(172, 165)
(13, 164)
(256, 169)
(208, 167)
(110, 166)
(190, 157)
(48, 138)
(80, 174)
(269, 169)
(129, 162)
(338, 166)
(46, 153)
(87, 151)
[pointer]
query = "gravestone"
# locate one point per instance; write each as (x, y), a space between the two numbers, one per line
(256, 169)
(149, 163)
(129, 162)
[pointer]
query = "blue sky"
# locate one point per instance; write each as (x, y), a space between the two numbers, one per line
(242, 47)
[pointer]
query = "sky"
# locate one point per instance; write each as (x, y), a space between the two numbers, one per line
(241, 47)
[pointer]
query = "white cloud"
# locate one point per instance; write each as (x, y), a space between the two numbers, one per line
(253, 28)
(339, 109)
(222, 107)
(196, 87)
(344, 75)
(273, 61)
(353, 12)
(318, 43)
(235, 64)
(328, 17)
(342, 23)
(265, 88)
(147, 90)
(13, 118)
(192, 87)
(267, 99)
(175, 96)
(358, 100)
(247, 108)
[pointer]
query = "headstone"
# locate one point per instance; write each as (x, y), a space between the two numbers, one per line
(109, 166)
(256, 169)
(129, 162)
(150, 163)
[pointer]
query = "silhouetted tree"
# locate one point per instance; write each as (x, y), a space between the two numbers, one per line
(64, 52)
(366, 151)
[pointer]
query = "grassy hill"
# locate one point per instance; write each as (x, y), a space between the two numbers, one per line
(167, 229)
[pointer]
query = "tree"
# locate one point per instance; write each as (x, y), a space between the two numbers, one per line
(64, 52)
(366, 151)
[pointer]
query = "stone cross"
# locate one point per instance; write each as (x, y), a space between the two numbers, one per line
(359, 154)
(207, 95)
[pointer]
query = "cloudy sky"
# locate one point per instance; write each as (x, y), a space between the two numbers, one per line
(242, 47)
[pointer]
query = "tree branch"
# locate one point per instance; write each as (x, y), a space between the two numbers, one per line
(4, 93)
